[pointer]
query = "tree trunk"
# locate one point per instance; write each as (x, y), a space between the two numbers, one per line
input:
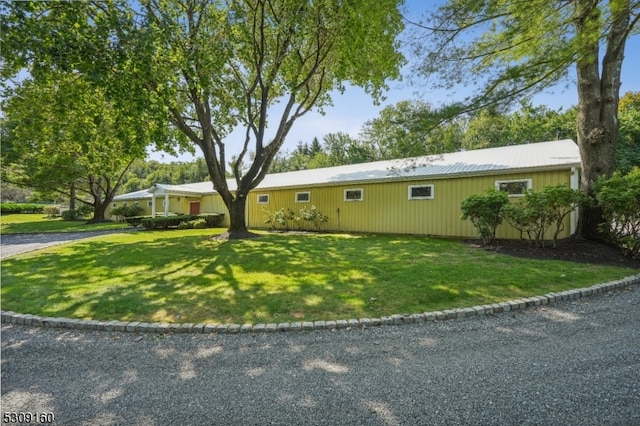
(99, 210)
(72, 196)
(237, 217)
(598, 96)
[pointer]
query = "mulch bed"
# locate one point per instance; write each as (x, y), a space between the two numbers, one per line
(570, 249)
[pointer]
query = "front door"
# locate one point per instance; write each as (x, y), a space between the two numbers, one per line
(194, 207)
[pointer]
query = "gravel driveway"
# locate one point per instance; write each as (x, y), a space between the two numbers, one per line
(12, 244)
(572, 363)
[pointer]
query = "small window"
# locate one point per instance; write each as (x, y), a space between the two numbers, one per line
(515, 188)
(114, 205)
(136, 203)
(303, 197)
(353, 194)
(150, 204)
(421, 192)
(125, 204)
(263, 198)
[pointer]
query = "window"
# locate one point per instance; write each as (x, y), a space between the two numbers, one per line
(114, 205)
(150, 204)
(303, 197)
(353, 194)
(263, 198)
(421, 192)
(515, 188)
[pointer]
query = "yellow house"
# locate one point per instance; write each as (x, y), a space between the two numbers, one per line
(408, 196)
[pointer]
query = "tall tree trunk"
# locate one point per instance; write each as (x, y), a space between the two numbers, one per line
(72, 196)
(99, 211)
(237, 218)
(598, 96)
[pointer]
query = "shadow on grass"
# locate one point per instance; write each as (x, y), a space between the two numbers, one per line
(278, 277)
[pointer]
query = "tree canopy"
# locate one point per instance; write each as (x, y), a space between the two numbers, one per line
(511, 50)
(209, 66)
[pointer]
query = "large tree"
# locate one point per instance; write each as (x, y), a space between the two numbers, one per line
(211, 66)
(63, 137)
(511, 49)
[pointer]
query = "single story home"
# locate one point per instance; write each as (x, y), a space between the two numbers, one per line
(419, 195)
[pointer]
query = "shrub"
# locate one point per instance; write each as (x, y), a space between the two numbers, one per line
(200, 223)
(619, 197)
(162, 222)
(52, 211)
(314, 216)
(213, 219)
(281, 219)
(537, 212)
(9, 208)
(84, 210)
(127, 211)
(70, 215)
(485, 212)
(186, 225)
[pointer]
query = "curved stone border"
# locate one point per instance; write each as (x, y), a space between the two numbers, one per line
(9, 317)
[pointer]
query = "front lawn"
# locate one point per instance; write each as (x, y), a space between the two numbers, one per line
(185, 276)
(38, 222)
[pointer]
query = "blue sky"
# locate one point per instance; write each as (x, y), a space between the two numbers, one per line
(353, 108)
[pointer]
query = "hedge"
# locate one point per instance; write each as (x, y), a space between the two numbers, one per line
(16, 208)
(212, 220)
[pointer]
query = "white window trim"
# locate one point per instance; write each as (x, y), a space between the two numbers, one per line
(528, 181)
(150, 204)
(263, 195)
(354, 189)
(419, 198)
(303, 201)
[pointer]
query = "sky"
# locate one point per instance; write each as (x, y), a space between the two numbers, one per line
(352, 109)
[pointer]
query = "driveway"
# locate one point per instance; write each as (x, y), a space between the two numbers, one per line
(12, 244)
(572, 363)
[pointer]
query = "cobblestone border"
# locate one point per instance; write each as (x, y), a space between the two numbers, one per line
(9, 317)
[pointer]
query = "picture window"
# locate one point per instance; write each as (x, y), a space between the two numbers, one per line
(353, 194)
(515, 188)
(421, 192)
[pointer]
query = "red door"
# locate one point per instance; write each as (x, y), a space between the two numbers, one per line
(194, 207)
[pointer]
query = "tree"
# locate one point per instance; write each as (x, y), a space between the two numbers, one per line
(628, 149)
(512, 49)
(210, 66)
(64, 137)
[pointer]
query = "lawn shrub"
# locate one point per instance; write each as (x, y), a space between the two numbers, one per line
(619, 197)
(281, 219)
(162, 222)
(70, 215)
(199, 223)
(52, 211)
(537, 212)
(186, 225)
(17, 208)
(313, 216)
(127, 211)
(485, 212)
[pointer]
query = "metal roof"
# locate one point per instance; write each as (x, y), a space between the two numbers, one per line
(513, 158)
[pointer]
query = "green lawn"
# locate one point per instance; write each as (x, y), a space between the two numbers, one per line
(37, 223)
(184, 276)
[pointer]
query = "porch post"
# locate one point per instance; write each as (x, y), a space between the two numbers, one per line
(166, 205)
(153, 205)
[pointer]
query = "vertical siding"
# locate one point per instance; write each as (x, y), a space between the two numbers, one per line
(386, 207)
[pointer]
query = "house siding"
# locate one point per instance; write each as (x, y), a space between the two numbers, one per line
(386, 207)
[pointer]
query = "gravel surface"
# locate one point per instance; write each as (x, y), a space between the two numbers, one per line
(12, 244)
(572, 363)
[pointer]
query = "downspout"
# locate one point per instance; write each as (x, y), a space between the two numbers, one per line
(575, 184)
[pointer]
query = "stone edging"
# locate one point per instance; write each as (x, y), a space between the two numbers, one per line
(9, 317)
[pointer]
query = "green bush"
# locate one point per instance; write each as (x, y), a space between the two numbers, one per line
(285, 220)
(186, 225)
(162, 222)
(70, 215)
(16, 208)
(485, 212)
(200, 223)
(619, 197)
(127, 211)
(314, 216)
(212, 220)
(537, 212)
(52, 211)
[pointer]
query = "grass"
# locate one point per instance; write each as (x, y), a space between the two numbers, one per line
(38, 223)
(185, 276)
